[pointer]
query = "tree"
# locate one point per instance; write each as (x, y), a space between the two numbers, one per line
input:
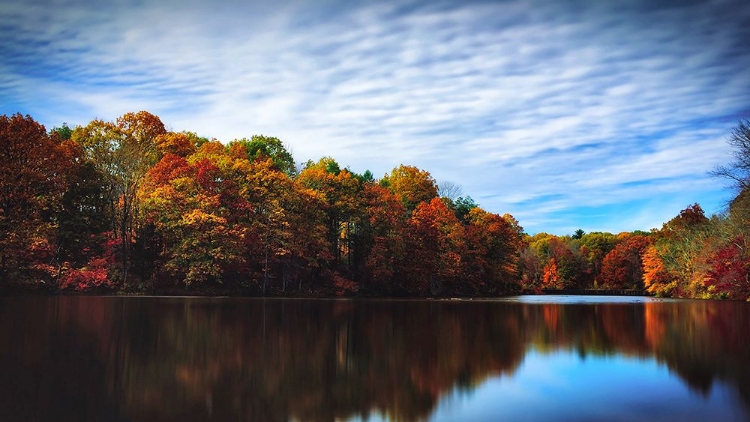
(738, 170)
(729, 272)
(262, 147)
(462, 206)
(412, 185)
(178, 143)
(31, 186)
(436, 247)
(124, 151)
(450, 190)
(341, 201)
(657, 278)
(63, 132)
(383, 237)
(551, 250)
(623, 266)
(84, 220)
(494, 244)
(192, 206)
(551, 275)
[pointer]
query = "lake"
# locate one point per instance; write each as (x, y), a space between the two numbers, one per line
(535, 358)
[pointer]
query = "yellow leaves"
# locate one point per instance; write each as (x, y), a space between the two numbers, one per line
(201, 218)
(412, 185)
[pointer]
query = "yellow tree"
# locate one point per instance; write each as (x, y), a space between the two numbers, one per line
(412, 185)
(191, 207)
(339, 192)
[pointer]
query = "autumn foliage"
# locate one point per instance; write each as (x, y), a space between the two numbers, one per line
(129, 205)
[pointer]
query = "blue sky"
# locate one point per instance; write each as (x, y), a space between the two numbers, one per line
(600, 115)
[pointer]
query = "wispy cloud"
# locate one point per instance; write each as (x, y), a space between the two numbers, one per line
(551, 111)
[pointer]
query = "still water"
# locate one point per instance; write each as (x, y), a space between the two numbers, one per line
(530, 358)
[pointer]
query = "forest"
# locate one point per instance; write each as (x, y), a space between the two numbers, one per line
(130, 207)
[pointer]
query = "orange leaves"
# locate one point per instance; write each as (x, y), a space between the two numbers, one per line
(194, 210)
(622, 267)
(180, 144)
(189, 205)
(551, 276)
(656, 278)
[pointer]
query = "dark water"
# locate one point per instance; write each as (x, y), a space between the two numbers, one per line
(529, 358)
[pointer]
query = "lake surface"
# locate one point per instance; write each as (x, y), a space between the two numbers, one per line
(535, 358)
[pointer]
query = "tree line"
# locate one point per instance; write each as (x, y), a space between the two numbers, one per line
(128, 205)
(692, 255)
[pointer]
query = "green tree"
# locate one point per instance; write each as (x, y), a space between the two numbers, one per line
(262, 147)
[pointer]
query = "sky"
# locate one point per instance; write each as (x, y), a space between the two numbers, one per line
(598, 115)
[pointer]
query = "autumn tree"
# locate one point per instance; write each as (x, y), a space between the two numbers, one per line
(494, 244)
(673, 264)
(412, 185)
(181, 144)
(557, 254)
(382, 237)
(551, 275)
(191, 202)
(435, 248)
(340, 195)
(124, 151)
(31, 187)
(593, 247)
(729, 269)
(450, 190)
(264, 147)
(657, 278)
(623, 266)
(287, 224)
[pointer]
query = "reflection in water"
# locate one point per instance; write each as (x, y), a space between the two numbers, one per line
(142, 359)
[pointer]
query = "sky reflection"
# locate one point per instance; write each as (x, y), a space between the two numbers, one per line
(565, 386)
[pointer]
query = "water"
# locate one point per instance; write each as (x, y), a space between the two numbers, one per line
(529, 358)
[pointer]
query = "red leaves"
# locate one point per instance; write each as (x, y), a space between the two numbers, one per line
(623, 267)
(729, 272)
(96, 274)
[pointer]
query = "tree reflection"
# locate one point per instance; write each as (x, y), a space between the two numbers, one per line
(321, 360)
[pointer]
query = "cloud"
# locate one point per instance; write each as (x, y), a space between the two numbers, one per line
(544, 110)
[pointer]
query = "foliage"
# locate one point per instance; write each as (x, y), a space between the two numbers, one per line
(412, 185)
(97, 206)
(31, 188)
(623, 267)
(260, 147)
